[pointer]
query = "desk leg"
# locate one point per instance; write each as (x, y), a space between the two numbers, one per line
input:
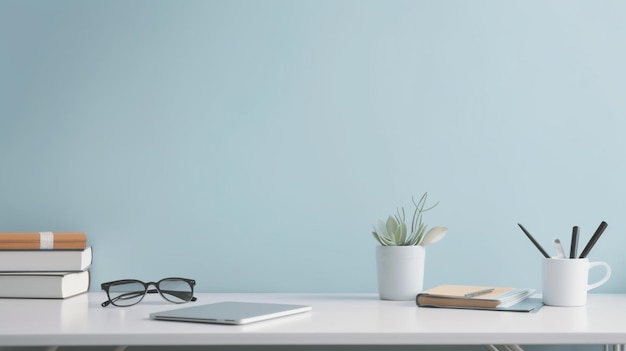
(55, 348)
(506, 348)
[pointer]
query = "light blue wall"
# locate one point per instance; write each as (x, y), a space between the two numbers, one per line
(251, 145)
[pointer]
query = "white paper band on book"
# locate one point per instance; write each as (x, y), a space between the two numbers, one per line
(46, 240)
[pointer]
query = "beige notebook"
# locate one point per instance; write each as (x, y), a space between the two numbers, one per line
(472, 296)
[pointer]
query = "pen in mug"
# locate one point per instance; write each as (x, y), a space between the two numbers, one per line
(560, 253)
(574, 244)
(543, 252)
(593, 239)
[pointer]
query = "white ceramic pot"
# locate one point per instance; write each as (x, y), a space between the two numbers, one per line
(400, 271)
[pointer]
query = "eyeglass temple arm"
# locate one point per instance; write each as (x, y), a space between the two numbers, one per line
(183, 295)
(128, 295)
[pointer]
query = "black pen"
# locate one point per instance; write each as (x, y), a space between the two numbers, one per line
(574, 244)
(543, 252)
(593, 239)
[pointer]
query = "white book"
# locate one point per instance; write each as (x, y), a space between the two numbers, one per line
(45, 260)
(51, 285)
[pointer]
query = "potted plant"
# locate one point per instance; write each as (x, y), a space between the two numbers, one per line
(401, 254)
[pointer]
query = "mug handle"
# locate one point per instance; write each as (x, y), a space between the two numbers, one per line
(604, 279)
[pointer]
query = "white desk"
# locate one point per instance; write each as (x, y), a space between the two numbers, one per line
(337, 319)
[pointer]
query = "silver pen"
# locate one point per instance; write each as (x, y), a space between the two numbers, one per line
(479, 292)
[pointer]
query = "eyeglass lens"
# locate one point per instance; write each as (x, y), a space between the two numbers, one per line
(130, 292)
(175, 290)
(126, 293)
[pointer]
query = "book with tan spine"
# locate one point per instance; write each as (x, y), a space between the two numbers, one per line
(43, 240)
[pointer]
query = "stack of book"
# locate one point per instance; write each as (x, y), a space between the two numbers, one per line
(480, 298)
(44, 264)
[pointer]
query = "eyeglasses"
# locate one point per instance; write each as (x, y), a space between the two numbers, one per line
(128, 292)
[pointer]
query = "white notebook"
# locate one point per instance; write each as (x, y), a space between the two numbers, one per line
(230, 312)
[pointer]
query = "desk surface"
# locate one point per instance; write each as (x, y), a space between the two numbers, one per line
(337, 319)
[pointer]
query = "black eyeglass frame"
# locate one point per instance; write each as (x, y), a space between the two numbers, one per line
(106, 286)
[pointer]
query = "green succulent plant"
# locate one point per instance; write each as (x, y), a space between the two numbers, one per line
(394, 232)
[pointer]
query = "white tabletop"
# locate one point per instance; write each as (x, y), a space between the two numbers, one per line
(338, 319)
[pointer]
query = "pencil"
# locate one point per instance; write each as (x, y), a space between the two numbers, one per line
(543, 252)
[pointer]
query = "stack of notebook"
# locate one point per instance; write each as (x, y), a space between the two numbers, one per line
(480, 297)
(44, 264)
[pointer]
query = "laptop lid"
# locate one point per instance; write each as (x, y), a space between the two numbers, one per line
(230, 312)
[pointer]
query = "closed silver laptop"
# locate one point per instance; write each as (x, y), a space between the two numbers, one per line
(230, 312)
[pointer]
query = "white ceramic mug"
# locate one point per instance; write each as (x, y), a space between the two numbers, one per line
(566, 280)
